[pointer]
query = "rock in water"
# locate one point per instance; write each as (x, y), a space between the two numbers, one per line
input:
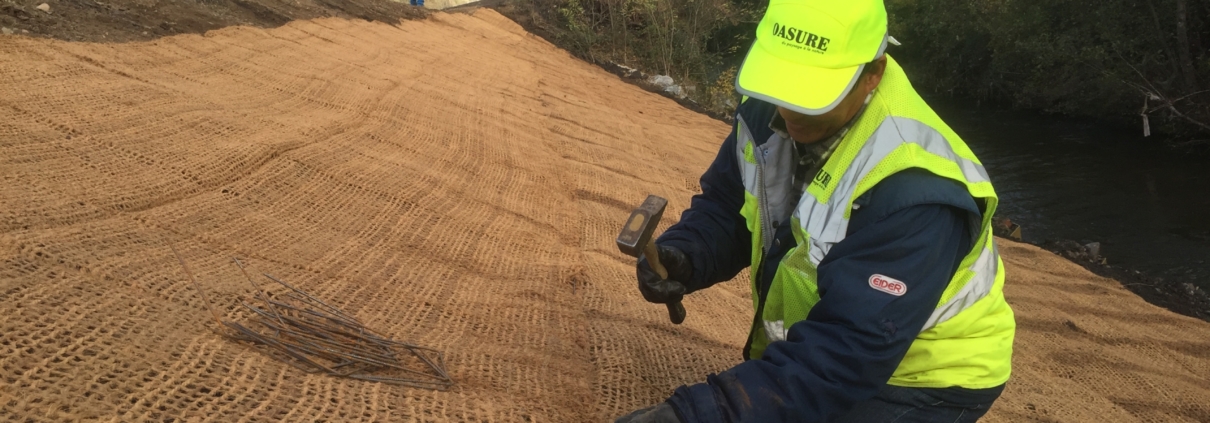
(662, 81)
(1093, 249)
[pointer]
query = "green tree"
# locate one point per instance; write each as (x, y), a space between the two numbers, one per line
(1115, 59)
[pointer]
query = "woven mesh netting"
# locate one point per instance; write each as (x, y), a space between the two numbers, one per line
(454, 183)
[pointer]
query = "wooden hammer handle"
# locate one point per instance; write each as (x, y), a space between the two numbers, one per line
(676, 311)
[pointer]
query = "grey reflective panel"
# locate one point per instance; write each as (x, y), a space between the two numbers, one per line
(825, 222)
(973, 172)
(777, 168)
(935, 143)
(979, 286)
(775, 330)
(770, 179)
(744, 138)
(828, 223)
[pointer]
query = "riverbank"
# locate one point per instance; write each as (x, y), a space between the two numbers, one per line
(1179, 295)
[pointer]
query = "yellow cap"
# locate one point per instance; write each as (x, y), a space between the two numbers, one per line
(809, 53)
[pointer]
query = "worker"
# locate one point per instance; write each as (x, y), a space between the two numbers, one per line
(865, 222)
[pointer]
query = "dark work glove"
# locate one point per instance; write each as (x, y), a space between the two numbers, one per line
(661, 291)
(662, 413)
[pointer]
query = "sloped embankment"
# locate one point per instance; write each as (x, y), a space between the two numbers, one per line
(454, 182)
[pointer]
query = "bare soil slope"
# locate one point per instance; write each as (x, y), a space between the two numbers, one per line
(454, 182)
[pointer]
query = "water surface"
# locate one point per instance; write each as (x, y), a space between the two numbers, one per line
(1148, 205)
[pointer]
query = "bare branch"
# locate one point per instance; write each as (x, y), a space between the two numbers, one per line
(1150, 92)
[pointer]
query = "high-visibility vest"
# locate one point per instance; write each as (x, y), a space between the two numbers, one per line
(967, 340)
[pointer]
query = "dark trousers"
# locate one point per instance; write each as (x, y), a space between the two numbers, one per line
(895, 404)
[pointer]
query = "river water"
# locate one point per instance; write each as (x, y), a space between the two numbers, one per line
(1148, 205)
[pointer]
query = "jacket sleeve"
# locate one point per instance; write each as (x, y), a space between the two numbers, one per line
(711, 231)
(855, 337)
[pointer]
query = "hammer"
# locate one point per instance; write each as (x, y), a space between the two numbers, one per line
(636, 238)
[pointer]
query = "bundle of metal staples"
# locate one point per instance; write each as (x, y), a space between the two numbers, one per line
(299, 329)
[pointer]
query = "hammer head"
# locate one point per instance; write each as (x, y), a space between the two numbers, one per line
(638, 229)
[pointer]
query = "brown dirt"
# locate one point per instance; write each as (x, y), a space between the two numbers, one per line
(454, 182)
(140, 20)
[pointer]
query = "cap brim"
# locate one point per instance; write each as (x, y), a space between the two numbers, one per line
(804, 89)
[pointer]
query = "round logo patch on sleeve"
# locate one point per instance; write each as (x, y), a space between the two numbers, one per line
(888, 285)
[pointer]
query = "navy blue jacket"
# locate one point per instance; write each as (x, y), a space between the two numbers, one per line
(913, 226)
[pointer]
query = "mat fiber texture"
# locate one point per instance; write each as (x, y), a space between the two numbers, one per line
(452, 182)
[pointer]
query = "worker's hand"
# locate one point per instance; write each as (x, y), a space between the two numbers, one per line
(665, 291)
(662, 413)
